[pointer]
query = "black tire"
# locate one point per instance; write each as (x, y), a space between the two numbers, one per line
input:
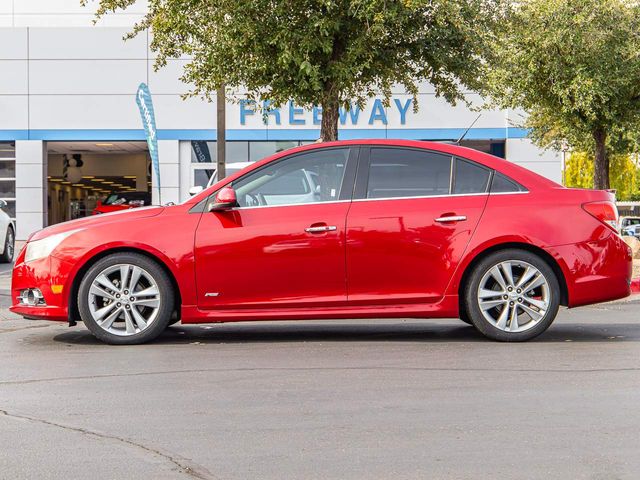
(165, 308)
(9, 246)
(464, 316)
(471, 301)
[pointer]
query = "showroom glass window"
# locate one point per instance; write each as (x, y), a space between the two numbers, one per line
(304, 178)
(8, 176)
(401, 172)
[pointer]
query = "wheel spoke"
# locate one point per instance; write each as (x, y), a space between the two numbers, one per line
(147, 302)
(502, 319)
(135, 277)
(537, 281)
(147, 292)
(497, 276)
(107, 322)
(130, 327)
(508, 272)
(100, 313)
(526, 276)
(541, 305)
(484, 293)
(100, 292)
(139, 319)
(513, 320)
(124, 276)
(489, 304)
(535, 315)
(105, 282)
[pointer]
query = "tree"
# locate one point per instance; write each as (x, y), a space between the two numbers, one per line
(321, 52)
(625, 173)
(573, 65)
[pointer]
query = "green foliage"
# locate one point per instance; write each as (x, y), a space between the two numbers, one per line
(322, 52)
(624, 178)
(573, 65)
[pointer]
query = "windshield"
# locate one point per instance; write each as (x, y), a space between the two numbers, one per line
(114, 199)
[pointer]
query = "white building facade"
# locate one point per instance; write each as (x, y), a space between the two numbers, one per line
(68, 86)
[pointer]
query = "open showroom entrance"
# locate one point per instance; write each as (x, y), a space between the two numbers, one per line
(88, 178)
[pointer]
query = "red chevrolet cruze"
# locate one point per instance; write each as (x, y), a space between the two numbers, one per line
(355, 229)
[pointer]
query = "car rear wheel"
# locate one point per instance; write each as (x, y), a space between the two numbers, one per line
(512, 296)
(126, 299)
(9, 246)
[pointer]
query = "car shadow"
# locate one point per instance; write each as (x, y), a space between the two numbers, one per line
(414, 331)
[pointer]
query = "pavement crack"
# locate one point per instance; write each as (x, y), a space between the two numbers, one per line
(305, 369)
(184, 465)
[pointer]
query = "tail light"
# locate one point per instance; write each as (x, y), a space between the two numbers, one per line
(606, 212)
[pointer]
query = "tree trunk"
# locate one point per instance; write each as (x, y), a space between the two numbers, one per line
(601, 166)
(330, 116)
(221, 129)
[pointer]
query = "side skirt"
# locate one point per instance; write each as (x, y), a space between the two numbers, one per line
(445, 308)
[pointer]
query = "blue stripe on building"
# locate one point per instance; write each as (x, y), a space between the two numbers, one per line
(264, 134)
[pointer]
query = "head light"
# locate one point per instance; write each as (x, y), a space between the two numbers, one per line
(43, 247)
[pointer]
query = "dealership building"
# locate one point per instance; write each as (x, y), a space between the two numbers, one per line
(71, 132)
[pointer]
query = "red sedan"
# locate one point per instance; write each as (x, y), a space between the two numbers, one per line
(354, 229)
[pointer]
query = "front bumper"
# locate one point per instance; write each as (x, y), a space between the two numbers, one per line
(597, 271)
(49, 275)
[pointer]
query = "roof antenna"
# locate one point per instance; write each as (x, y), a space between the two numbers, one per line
(457, 142)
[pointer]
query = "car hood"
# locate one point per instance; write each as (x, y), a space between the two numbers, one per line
(94, 220)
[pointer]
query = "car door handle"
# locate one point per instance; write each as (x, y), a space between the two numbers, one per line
(451, 218)
(321, 229)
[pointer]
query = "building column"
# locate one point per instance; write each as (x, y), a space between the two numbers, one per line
(169, 157)
(185, 169)
(31, 188)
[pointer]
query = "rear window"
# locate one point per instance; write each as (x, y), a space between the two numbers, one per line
(470, 177)
(503, 184)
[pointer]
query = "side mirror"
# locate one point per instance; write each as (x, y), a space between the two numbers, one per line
(195, 190)
(3, 204)
(224, 200)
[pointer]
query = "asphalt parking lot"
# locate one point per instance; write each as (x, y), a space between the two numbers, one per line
(402, 399)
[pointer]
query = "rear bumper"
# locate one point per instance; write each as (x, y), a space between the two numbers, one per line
(598, 271)
(46, 274)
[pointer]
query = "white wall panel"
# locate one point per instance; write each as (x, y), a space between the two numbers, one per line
(174, 113)
(60, 7)
(85, 43)
(13, 43)
(167, 79)
(6, 6)
(86, 76)
(13, 77)
(84, 112)
(14, 110)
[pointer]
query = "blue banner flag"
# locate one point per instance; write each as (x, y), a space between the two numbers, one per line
(143, 99)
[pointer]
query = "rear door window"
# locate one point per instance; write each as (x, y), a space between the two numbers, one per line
(403, 172)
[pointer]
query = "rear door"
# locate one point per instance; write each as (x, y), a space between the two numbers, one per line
(411, 219)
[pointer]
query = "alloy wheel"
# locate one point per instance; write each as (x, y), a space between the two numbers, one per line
(10, 245)
(124, 299)
(514, 296)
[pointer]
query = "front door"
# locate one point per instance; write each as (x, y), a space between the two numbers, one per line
(409, 224)
(284, 246)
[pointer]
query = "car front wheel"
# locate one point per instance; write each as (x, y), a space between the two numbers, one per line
(512, 296)
(126, 299)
